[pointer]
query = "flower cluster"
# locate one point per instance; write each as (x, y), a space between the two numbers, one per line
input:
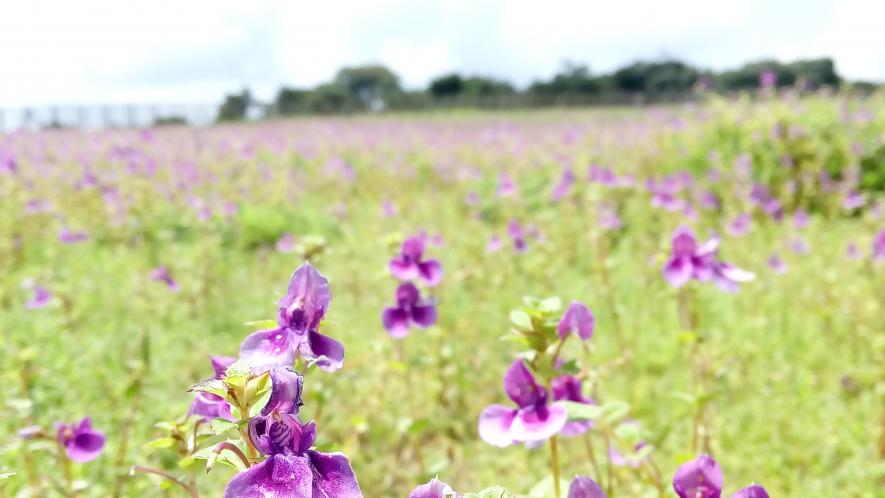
(410, 308)
(689, 260)
(702, 478)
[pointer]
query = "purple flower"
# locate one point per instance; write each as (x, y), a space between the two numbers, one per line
(853, 200)
(740, 226)
(208, 405)
(388, 209)
(285, 244)
(777, 265)
(433, 489)
(506, 186)
(68, 236)
(516, 233)
(699, 478)
(563, 186)
(301, 310)
(709, 200)
(494, 244)
(578, 320)
(800, 219)
(608, 218)
(161, 274)
(879, 246)
(852, 251)
(799, 245)
(767, 79)
(409, 264)
(584, 487)
(533, 420)
(688, 260)
(568, 388)
(729, 277)
(751, 491)
(292, 469)
(410, 309)
(42, 297)
(81, 442)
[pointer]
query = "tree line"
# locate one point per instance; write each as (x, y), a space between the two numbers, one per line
(376, 87)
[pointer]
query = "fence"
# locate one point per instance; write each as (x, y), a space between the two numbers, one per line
(105, 116)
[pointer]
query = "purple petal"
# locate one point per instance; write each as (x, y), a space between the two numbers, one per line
(407, 295)
(285, 394)
(431, 272)
(538, 424)
(584, 487)
(85, 446)
(433, 489)
(678, 271)
(751, 491)
(209, 406)
(413, 248)
(424, 316)
(699, 478)
(683, 242)
(520, 385)
(307, 299)
(333, 476)
(396, 321)
(403, 269)
(220, 364)
(270, 348)
(280, 476)
(494, 425)
(323, 351)
(575, 428)
(577, 319)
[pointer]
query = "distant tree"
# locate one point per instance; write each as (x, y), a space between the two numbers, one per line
(329, 98)
(291, 101)
(481, 86)
(371, 86)
(656, 77)
(572, 79)
(448, 85)
(235, 106)
(816, 72)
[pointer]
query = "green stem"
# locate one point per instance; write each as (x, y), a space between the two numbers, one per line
(554, 465)
(588, 445)
(66, 469)
(165, 475)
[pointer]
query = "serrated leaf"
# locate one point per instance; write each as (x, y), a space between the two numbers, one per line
(220, 426)
(214, 386)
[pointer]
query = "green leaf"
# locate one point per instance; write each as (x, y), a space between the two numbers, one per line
(493, 492)
(544, 488)
(582, 411)
(214, 386)
(163, 442)
(614, 410)
(220, 426)
(261, 325)
(521, 320)
(550, 305)
(7, 475)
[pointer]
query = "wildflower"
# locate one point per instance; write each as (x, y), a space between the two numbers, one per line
(68, 236)
(161, 274)
(292, 469)
(699, 478)
(799, 245)
(42, 297)
(777, 265)
(409, 264)
(879, 246)
(800, 219)
(300, 313)
(81, 442)
(388, 209)
(853, 200)
(285, 244)
(852, 251)
(688, 260)
(516, 233)
(533, 420)
(584, 487)
(568, 388)
(751, 491)
(506, 186)
(578, 320)
(433, 489)
(410, 309)
(494, 244)
(563, 186)
(608, 218)
(208, 405)
(767, 79)
(740, 226)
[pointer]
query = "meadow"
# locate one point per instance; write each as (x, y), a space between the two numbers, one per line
(128, 257)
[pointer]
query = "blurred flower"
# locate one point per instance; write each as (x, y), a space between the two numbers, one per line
(699, 478)
(709, 200)
(67, 236)
(584, 487)
(81, 442)
(433, 489)
(767, 79)
(161, 274)
(578, 320)
(506, 186)
(42, 297)
(799, 246)
(409, 264)
(388, 209)
(879, 246)
(533, 420)
(285, 244)
(514, 230)
(852, 251)
(800, 219)
(568, 388)
(777, 265)
(853, 200)
(410, 310)
(690, 261)
(494, 244)
(562, 187)
(300, 313)
(608, 218)
(208, 405)
(751, 491)
(740, 226)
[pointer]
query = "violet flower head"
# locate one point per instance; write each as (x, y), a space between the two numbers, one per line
(533, 419)
(41, 299)
(751, 491)
(494, 244)
(517, 235)
(81, 442)
(292, 469)
(568, 388)
(562, 187)
(300, 312)
(853, 200)
(699, 478)
(578, 320)
(584, 487)
(800, 219)
(740, 226)
(767, 79)
(507, 186)
(879, 246)
(777, 265)
(161, 274)
(410, 310)
(433, 489)
(410, 264)
(285, 244)
(686, 261)
(852, 251)
(68, 236)
(208, 405)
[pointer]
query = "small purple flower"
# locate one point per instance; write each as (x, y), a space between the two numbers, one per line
(767, 79)
(507, 186)
(729, 277)
(740, 226)
(533, 420)
(161, 274)
(42, 297)
(853, 200)
(578, 320)
(409, 264)
(568, 388)
(292, 469)
(208, 405)
(751, 491)
(799, 245)
(517, 235)
(608, 218)
(879, 246)
(777, 265)
(800, 219)
(699, 478)
(584, 487)
(285, 244)
(300, 313)
(81, 442)
(68, 236)
(687, 260)
(562, 188)
(410, 310)
(852, 251)
(433, 489)
(388, 209)
(494, 244)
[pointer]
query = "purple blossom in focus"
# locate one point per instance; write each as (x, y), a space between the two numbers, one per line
(81, 442)
(433, 489)
(410, 310)
(577, 320)
(410, 264)
(208, 405)
(568, 388)
(533, 419)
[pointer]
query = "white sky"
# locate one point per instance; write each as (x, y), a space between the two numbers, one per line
(112, 51)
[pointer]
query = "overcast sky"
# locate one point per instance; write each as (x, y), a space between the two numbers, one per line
(112, 51)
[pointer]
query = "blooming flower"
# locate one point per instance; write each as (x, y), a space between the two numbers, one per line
(410, 309)
(879, 246)
(208, 405)
(300, 313)
(578, 320)
(584, 487)
(516, 233)
(740, 226)
(292, 469)
(699, 478)
(562, 187)
(688, 260)
(285, 244)
(433, 489)
(506, 186)
(494, 244)
(568, 388)
(42, 297)
(800, 219)
(81, 442)
(68, 236)
(533, 420)
(161, 274)
(409, 264)
(777, 265)
(751, 491)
